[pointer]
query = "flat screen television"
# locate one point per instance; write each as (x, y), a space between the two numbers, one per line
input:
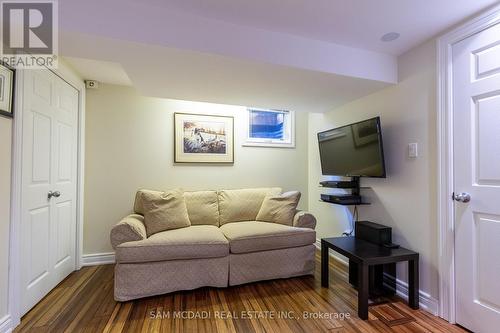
(353, 150)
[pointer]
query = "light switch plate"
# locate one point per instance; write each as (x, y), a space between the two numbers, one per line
(413, 150)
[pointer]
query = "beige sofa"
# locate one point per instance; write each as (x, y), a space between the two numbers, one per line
(223, 246)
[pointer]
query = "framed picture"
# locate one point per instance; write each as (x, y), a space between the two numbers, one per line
(364, 133)
(6, 90)
(203, 138)
(270, 128)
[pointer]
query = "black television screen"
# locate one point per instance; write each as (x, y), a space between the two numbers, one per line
(353, 150)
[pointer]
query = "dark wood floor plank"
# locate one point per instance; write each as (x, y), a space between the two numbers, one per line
(84, 303)
(81, 300)
(48, 308)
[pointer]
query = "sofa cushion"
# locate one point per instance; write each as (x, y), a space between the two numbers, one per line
(279, 208)
(138, 203)
(252, 236)
(243, 204)
(203, 207)
(165, 211)
(198, 241)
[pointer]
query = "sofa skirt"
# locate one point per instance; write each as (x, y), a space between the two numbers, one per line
(273, 264)
(137, 280)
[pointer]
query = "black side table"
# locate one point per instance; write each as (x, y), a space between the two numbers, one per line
(366, 254)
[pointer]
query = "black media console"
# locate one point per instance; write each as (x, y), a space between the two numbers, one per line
(367, 255)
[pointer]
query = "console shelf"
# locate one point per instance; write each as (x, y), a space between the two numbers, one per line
(345, 188)
(353, 185)
(343, 204)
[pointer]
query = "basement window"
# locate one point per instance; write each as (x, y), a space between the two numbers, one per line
(270, 128)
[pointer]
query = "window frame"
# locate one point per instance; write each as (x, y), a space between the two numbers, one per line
(289, 131)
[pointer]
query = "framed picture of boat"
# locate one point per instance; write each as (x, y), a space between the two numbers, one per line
(6, 90)
(201, 138)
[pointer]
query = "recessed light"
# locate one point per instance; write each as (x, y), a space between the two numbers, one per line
(390, 36)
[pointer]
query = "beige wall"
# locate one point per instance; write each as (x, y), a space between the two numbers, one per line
(406, 199)
(5, 165)
(129, 145)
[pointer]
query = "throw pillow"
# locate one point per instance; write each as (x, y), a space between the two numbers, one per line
(164, 211)
(279, 208)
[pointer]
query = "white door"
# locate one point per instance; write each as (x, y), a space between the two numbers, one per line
(476, 112)
(49, 163)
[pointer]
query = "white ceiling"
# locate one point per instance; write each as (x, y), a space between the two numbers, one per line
(294, 54)
(186, 75)
(102, 71)
(356, 23)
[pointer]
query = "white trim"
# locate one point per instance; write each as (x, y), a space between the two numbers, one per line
(334, 255)
(445, 156)
(15, 205)
(6, 324)
(14, 298)
(426, 301)
(95, 259)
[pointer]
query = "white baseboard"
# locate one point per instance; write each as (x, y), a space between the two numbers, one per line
(6, 324)
(95, 259)
(334, 255)
(425, 300)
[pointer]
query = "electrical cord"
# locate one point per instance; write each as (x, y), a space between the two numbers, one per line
(352, 221)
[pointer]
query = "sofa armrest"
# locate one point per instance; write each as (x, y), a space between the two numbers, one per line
(130, 228)
(304, 220)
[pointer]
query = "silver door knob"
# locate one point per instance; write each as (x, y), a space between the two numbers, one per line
(55, 194)
(462, 197)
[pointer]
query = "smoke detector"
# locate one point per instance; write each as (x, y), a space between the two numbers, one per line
(390, 36)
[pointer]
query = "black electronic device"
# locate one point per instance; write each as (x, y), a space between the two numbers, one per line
(381, 235)
(354, 150)
(391, 246)
(340, 183)
(373, 232)
(342, 199)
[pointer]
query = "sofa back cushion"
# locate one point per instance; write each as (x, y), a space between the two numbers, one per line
(242, 205)
(203, 207)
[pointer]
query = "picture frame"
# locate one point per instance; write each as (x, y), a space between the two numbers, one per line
(7, 80)
(202, 138)
(270, 128)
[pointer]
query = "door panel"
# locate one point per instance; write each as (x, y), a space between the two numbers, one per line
(65, 163)
(487, 138)
(48, 225)
(476, 116)
(64, 236)
(486, 60)
(41, 148)
(38, 243)
(487, 266)
(42, 87)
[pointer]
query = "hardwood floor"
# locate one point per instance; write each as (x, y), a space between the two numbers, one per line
(84, 303)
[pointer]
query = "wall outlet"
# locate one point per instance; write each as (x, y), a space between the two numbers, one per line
(413, 150)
